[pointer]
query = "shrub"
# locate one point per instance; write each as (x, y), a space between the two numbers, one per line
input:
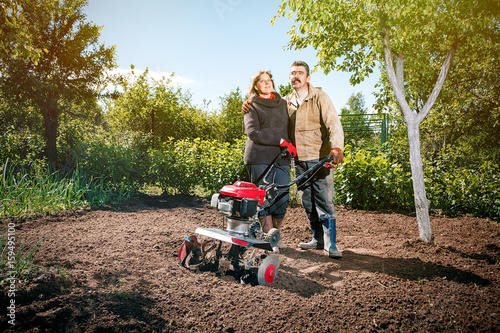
(119, 161)
(369, 181)
(377, 181)
(186, 165)
(472, 189)
(22, 148)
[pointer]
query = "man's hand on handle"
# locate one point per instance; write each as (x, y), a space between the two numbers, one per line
(338, 157)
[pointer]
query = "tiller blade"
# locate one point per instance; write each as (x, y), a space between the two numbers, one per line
(190, 253)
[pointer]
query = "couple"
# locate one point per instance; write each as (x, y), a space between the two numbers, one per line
(305, 119)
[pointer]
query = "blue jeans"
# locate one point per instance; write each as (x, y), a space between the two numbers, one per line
(281, 176)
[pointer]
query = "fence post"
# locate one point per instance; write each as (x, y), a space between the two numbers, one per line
(383, 135)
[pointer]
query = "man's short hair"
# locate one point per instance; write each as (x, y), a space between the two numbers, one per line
(301, 63)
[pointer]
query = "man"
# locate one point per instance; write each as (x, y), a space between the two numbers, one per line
(316, 132)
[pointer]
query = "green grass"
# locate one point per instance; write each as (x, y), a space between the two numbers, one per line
(40, 192)
(24, 255)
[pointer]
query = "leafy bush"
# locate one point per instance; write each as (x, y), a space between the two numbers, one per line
(187, 165)
(473, 189)
(22, 148)
(377, 181)
(121, 162)
(369, 181)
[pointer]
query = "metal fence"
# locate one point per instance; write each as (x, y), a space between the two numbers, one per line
(374, 124)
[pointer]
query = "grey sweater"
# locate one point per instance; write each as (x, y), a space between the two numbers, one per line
(266, 124)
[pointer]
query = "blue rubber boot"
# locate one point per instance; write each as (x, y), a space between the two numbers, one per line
(317, 240)
(330, 238)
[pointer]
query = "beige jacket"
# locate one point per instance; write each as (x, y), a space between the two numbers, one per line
(315, 127)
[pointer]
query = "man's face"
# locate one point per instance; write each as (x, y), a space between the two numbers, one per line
(298, 77)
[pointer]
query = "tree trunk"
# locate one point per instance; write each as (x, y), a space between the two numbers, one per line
(417, 173)
(51, 121)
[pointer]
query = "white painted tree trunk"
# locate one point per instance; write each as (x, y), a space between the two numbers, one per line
(417, 174)
(413, 120)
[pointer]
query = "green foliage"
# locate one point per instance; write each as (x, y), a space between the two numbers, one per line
(24, 195)
(70, 68)
(75, 130)
(379, 181)
(16, 34)
(467, 113)
(158, 110)
(120, 160)
(285, 89)
(230, 124)
(21, 116)
(348, 34)
(22, 139)
(454, 190)
(369, 181)
(37, 191)
(355, 105)
(21, 148)
(185, 166)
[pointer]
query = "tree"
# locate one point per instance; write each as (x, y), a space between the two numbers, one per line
(415, 41)
(231, 118)
(355, 105)
(71, 67)
(157, 110)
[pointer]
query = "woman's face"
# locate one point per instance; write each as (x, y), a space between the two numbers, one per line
(264, 85)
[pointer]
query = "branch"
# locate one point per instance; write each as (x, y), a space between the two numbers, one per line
(400, 73)
(396, 78)
(439, 83)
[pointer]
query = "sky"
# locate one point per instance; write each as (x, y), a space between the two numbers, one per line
(212, 46)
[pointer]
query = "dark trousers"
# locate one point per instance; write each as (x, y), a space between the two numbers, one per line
(317, 196)
(281, 176)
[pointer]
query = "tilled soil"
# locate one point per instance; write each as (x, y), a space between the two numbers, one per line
(117, 270)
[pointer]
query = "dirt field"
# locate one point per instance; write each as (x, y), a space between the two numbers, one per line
(116, 270)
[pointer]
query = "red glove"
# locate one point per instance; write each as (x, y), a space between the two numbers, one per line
(291, 148)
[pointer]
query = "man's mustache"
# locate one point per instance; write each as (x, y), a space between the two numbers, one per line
(296, 80)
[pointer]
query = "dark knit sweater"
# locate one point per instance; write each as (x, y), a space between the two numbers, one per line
(266, 124)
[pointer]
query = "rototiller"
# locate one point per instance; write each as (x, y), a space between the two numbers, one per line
(227, 251)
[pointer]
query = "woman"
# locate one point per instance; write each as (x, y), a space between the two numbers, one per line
(266, 125)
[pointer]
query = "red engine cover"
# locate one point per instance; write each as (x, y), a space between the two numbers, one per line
(244, 190)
